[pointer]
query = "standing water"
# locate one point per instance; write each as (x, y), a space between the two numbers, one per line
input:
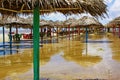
(98, 59)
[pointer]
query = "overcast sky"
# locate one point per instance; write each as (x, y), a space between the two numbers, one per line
(113, 11)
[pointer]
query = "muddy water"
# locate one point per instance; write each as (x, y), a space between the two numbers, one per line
(68, 60)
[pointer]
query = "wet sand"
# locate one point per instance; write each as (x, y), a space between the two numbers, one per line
(67, 60)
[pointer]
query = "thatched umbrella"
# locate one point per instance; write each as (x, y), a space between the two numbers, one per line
(58, 25)
(18, 22)
(42, 22)
(70, 22)
(115, 23)
(86, 21)
(11, 21)
(94, 7)
(46, 23)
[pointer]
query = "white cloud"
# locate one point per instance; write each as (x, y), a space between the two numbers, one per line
(61, 17)
(113, 10)
(54, 16)
(115, 6)
(108, 1)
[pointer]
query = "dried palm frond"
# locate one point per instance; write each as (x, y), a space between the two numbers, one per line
(68, 7)
(88, 21)
(83, 22)
(114, 23)
(23, 22)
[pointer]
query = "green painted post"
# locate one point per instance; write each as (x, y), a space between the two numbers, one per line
(36, 36)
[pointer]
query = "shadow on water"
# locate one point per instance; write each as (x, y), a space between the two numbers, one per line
(97, 41)
(14, 48)
(14, 64)
(31, 41)
(6, 52)
(16, 45)
(76, 54)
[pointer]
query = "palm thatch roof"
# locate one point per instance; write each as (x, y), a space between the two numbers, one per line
(94, 7)
(86, 21)
(46, 23)
(58, 23)
(114, 22)
(69, 21)
(24, 22)
(11, 21)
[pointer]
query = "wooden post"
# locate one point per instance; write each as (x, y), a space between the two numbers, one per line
(31, 30)
(114, 29)
(57, 32)
(50, 32)
(74, 31)
(16, 30)
(36, 36)
(78, 30)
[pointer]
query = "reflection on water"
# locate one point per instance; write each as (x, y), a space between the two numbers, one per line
(115, 47)
(75, 54)
(76, 60)
(69, 60)
(15, 64)
(46, 52)
(15, 46)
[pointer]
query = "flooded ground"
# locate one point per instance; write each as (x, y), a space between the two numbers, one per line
(67, 60)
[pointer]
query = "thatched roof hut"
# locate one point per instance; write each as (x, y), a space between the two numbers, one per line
(70, 21)
(115, 22)
(24, 22)
(94, 7)
(15, 22)
(88, 22)
(46, 23)
(58, 23)
(83, 22)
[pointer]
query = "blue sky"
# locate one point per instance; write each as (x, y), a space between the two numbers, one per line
(113, 11)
